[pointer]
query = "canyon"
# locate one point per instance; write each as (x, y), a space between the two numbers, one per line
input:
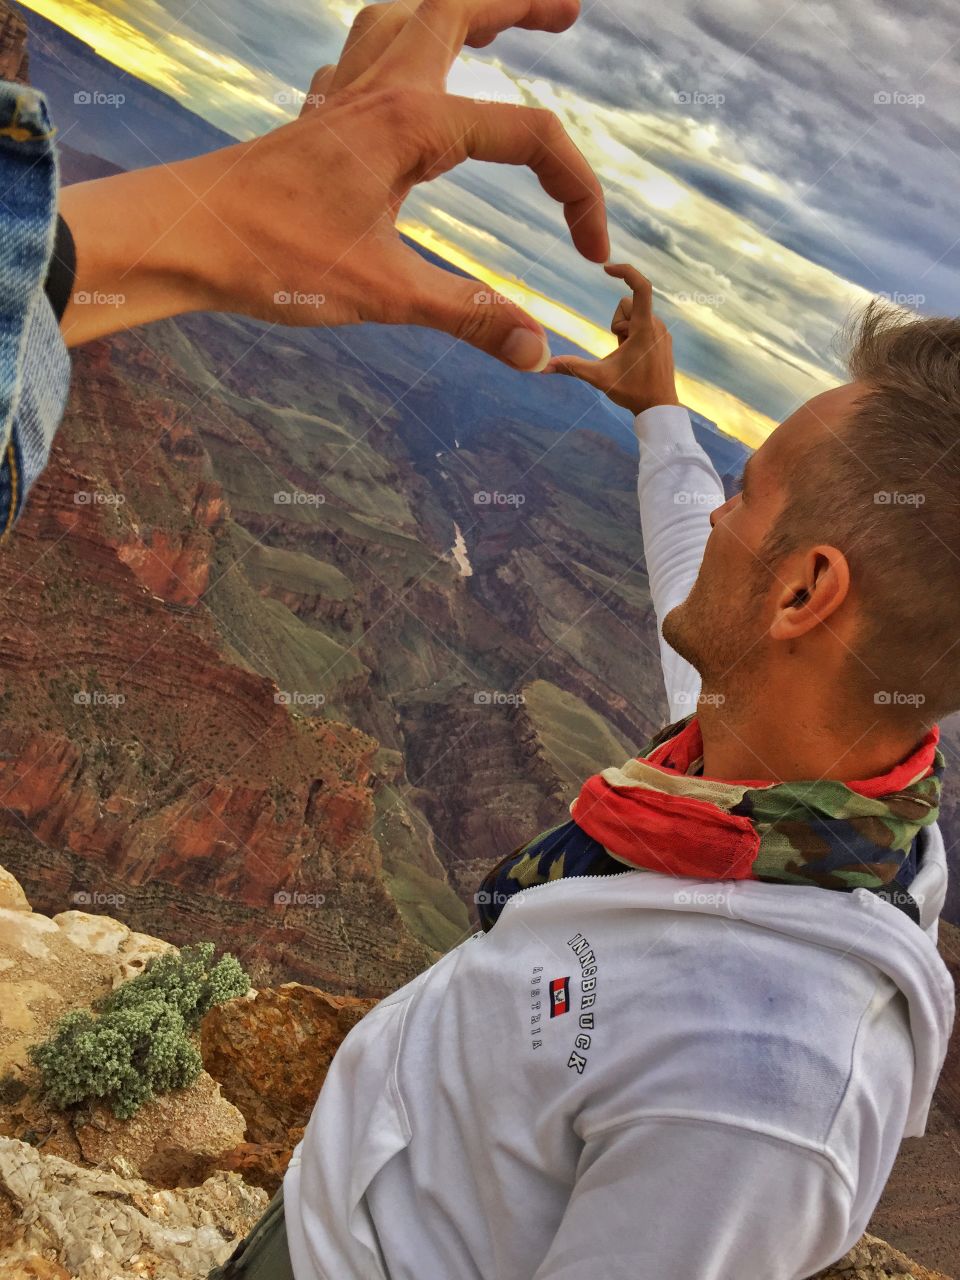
(301, 631)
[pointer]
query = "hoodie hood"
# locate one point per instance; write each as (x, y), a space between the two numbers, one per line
(857, 923)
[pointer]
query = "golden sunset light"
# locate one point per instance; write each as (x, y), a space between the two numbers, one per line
(737, 419)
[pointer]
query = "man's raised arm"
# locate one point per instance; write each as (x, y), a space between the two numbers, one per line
(677, 485)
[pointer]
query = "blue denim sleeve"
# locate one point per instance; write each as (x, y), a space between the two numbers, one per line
(34, 364)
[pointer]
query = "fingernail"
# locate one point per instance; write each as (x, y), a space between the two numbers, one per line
(526, 350)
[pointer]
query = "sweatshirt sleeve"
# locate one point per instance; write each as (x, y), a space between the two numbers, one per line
(678, 488)
(702, 1201)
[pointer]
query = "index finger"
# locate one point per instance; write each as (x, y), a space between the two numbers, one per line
(434, 33)
(533, 137)
(642, 312)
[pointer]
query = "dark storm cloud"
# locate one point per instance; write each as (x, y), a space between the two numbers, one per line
(801, 87)
(813, 143)
(647, 229)
(285, 38)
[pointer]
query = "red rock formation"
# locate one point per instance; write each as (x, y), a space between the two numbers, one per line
(13, 45)
(270, 1056)
(142, 756)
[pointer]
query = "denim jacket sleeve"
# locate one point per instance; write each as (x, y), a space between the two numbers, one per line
(34, 364)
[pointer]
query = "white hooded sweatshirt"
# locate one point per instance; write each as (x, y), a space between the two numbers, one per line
(634, 1075)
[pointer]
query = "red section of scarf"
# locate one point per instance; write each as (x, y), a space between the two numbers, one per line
(683, 836)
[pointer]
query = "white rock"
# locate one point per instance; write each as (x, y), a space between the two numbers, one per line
(101, 1226)
(100, 934)
(25, 931)
(136, 952)
(11, 893)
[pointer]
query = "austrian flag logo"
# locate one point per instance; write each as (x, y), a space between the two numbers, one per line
(559, 996)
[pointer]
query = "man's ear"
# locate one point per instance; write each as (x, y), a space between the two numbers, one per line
(813, 589)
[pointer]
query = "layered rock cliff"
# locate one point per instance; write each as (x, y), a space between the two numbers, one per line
(146, 761)
(298, 633)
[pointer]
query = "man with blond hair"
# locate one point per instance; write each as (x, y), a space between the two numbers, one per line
(705, 1010)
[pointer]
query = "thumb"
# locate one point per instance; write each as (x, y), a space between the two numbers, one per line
(577, 367)
(478, 315)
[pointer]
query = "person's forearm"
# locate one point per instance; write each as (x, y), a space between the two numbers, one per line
(148, 246)
(678, 487)
(298, 226)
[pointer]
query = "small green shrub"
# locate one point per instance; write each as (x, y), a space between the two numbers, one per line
(141, 1041)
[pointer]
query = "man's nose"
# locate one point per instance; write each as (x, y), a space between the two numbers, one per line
(717, 512)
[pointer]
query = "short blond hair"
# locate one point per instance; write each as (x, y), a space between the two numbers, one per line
(886, 492)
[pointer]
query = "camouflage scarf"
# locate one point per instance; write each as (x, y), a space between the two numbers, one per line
(659, 813)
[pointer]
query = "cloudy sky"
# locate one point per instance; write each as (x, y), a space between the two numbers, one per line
(769, 165)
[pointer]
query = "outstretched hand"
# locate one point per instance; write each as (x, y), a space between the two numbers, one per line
(299, 226)
(640, 373)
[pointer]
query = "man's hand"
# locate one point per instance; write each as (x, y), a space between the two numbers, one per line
(298, 226)
(640, 373)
